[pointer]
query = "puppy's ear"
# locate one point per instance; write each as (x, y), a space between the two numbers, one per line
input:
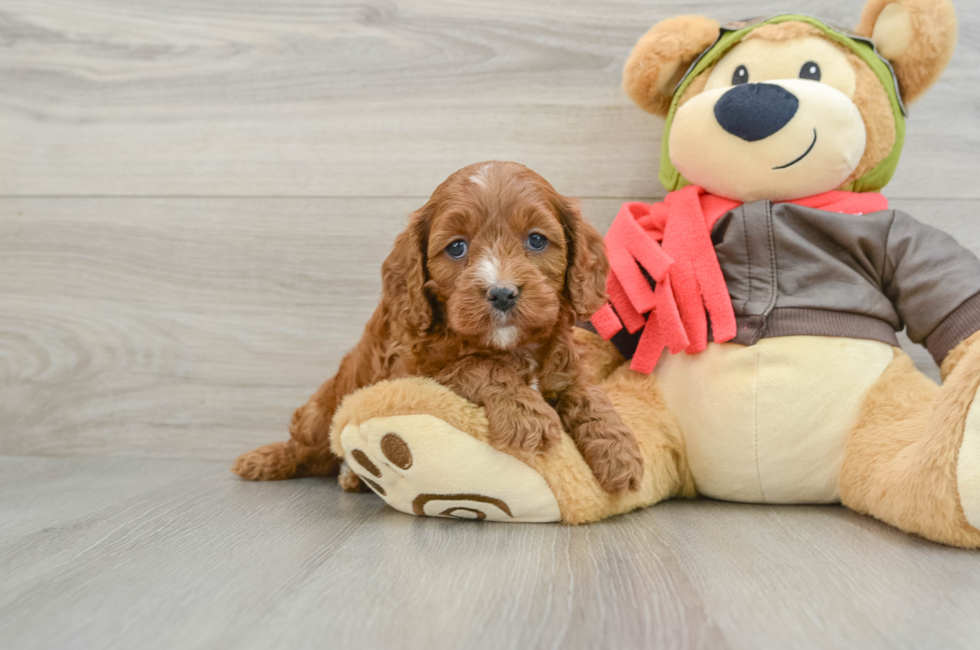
(662, 56)
(403, 276)
(917, 36)
(588, 266)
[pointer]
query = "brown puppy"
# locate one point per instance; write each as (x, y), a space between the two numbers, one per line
(480, 293)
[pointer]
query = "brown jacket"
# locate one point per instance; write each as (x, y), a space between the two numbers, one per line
(794, 270)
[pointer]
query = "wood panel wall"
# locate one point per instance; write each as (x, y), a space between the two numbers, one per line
(196, 197)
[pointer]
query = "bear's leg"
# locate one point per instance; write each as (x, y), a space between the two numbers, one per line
(639, 402)
(448, 442)
(913, 458)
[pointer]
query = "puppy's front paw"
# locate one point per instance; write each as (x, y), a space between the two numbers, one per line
(611, 452)
(528, 427)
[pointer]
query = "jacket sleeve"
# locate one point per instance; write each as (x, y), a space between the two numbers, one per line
(934, 284)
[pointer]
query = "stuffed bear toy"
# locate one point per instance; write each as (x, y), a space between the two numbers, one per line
(749, 341)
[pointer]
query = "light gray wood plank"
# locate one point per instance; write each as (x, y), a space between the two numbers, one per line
(821, 576)
(136, 313)
(49, 493)
(205, 560)
(303, 97)
(191, 328)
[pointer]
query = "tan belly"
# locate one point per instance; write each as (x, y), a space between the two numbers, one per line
(767, 423)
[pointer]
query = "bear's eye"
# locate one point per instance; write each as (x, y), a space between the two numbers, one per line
(740, 76)
(810, 70)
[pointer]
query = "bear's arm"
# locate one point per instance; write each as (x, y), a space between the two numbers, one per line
(934, 283)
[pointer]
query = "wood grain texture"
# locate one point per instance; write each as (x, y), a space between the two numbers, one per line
(191, 328)
(380, 98)
(172, 554)
(153, 304)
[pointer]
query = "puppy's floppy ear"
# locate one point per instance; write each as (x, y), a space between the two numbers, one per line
(403, 276)
(662, 56)
(585, 275)
(917, 36)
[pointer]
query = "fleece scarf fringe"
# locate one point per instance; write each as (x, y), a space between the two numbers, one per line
(664, 275)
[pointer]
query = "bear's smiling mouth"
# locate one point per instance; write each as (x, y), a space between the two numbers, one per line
(809, 149)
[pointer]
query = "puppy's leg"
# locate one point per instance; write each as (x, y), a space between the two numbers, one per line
(310, 433)
(350, 481)
(519, 417)
(272, 462)
(606, 443)
(307, 452)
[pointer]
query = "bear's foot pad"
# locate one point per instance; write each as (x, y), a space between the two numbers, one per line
(421, 465)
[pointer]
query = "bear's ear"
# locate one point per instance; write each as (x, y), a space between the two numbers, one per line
(917, 36)
(662, 56)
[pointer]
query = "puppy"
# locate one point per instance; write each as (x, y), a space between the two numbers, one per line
(480, 293)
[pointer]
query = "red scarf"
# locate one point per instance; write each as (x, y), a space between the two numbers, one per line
(671, 242)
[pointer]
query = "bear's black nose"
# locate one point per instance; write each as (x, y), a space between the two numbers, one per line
(755, 111)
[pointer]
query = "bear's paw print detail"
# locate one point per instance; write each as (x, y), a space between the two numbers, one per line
(419, 503)
(421, 465)
(396, 450)
(365, 462)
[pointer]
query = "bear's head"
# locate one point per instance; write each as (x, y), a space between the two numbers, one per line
(787, 107)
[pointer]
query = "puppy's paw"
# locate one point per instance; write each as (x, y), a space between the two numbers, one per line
(613, 455)
(528, 427)
(273, 462)
(549, 429)
(349, 480)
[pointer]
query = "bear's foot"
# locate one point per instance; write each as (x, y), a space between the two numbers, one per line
(424, 466)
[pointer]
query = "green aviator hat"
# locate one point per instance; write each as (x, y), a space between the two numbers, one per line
(733, 33)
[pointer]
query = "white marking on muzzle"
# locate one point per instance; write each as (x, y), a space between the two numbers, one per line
(488, 270)
(504, 337)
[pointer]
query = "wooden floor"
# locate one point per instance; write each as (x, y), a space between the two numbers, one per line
(195, 200)
(178, 554)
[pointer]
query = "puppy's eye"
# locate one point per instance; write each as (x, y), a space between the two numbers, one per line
(457, 249)
(810, 70)
(740, 76)
(536, 241)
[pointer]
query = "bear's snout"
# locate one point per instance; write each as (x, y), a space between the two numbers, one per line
(754, 111)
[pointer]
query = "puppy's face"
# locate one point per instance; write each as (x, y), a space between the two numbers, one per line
(504, 256)
(497, 258)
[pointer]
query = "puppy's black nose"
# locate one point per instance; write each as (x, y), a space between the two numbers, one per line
(755, 111)
(502, 297)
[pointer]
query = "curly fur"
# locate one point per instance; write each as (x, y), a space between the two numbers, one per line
(435, 320)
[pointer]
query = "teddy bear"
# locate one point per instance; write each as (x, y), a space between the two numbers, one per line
(749, 339)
